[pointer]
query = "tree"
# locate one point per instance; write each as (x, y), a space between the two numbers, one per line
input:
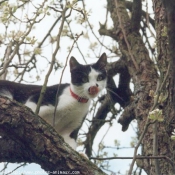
(151, 77)
(144, 60)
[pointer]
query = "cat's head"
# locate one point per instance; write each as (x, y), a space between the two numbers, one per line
(88, 80)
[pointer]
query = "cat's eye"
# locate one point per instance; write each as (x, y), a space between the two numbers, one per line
(100, 77)
(84, 79)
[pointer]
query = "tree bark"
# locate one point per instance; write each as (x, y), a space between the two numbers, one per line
(141, 69)
(165, 29)
(28, 138)
(156, 140)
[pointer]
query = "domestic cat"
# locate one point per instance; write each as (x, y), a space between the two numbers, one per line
(73, 99)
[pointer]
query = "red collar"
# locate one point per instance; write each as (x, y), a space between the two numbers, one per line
(80, 99)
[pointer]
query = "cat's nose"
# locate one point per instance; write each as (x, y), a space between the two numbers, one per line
(93, 90)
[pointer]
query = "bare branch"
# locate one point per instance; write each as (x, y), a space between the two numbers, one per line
(52, 62)
(75, 41)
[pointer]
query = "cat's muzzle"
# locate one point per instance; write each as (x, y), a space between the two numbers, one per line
(93, 90)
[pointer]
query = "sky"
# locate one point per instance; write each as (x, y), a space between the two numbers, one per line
(98, 13)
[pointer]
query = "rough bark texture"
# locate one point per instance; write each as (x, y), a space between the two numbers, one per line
(144, 75)
(165, 27)
(27, 138)
(141, 69)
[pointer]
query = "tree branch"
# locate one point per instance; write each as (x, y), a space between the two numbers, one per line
(136, 15)
(129, 5)
(97, 123)
(120, 94)
(28, 138)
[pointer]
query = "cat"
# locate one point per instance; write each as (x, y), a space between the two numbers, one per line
(73, 99)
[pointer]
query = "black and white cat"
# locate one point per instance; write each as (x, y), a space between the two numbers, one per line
(73, 99)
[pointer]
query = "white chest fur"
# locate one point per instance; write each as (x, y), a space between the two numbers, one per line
(69, 114)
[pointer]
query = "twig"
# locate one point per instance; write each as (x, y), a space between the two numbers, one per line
(155, 146)
(103, 138)
(155, 150)
(75, 41)
(52, 63)
(137, 146)
(43, 40)
(16, 169)
(157, 94)
(166, 76)
(137, 157)
(7, 60)
(15, 50)
(4, 168)
(124, 34)
(3, 1)
(94, 32)
(147, 21)
(144, 131)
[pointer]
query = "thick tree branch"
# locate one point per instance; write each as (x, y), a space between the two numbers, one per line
(136, 15)
(145, 71)
(9, 148)
(120, 94)
(33, 140)
(129, 5)
(127, 116)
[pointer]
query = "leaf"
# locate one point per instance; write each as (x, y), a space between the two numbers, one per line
(156, 115)
(37, 51)
(173, 137)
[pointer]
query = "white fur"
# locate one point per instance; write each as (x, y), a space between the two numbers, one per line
(70, 112)
(69, 115)
(6, 93)
(83, 90)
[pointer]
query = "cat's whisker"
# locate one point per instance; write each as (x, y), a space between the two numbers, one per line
(114, 93)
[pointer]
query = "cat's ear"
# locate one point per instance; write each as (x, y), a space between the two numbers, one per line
(102, 62)
(73, 63)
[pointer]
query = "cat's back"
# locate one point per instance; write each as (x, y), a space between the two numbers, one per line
(17, 91)
(23, 92)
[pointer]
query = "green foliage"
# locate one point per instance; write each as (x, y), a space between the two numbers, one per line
(164, 31)
(156, 115)
(173, 135)
(37, 51)
(116, 143)
(134, 141)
